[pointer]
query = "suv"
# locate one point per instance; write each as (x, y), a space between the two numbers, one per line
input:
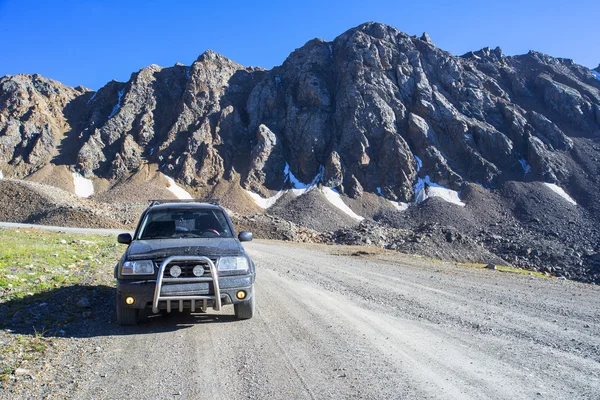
(184, 255)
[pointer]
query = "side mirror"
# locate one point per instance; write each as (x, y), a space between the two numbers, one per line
(245, 236)
(124, 238)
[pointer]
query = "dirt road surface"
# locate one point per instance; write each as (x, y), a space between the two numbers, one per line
(353, 323)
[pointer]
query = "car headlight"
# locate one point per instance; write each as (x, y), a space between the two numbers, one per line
(141, 267)
(233, 264)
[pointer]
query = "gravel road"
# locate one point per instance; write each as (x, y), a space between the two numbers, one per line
(346, 322)
(66, 229)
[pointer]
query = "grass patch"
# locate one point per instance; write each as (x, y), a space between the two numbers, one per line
(430, 259)
(5, 371)
(22, 349)
(33, 261)
(506, 268)
(42, 275)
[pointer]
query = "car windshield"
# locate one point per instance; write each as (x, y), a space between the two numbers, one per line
(178, 223)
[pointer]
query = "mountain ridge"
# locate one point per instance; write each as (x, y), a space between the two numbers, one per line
(383, 117)
(303, 114)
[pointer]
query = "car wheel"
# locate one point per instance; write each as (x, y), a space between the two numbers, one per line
(125, 315)
(245, 309)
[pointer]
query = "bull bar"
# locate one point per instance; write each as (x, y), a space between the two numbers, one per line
(214, 278)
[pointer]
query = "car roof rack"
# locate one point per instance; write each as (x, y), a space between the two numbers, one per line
(207, 201)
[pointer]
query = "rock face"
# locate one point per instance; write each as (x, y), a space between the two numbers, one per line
(371, 113)
(375, 109)
(35, 114)
(189, 120)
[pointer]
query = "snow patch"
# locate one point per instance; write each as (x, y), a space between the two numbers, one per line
(558, 190)
(335, 199)
(330, 49)
(83, 187)
(277, 80)
(296, 184)
(597, 74)
(265, 203)
(118, 105)
(423, 192)
(399, 205)
(525, 165)
(301, 191)
(92, 98)
(177, 190)
(330, 194)
(299, 188)
(419, 163)
(1, 175)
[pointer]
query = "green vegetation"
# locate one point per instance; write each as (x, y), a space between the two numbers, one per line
(505, 268)
(34, 261)
(42, 276)
(5, 372)
(22, 349)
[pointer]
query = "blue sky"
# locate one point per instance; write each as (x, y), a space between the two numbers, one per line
(90, 42)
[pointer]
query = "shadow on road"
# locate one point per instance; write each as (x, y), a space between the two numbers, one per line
(88, 311)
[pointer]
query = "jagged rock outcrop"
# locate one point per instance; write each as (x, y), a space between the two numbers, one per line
(375, 110)
(34, 116)
(186, 119)
(268, 162)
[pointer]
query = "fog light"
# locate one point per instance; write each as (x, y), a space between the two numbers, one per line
(241, 295)
(129, 300)
(175, 271)
(198, 270)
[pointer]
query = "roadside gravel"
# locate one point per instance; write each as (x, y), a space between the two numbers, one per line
(344, 322)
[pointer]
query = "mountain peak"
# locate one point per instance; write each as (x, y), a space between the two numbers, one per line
(426, 38)
(210, 55)
(374, 29)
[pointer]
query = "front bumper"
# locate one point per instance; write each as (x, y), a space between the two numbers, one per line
(169, 293)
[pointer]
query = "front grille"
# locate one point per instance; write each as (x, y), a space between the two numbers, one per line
(187, 268)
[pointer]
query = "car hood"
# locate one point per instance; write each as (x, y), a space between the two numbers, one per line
(162, 248)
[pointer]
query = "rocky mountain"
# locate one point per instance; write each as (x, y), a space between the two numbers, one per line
(367, 108)
(374, 113)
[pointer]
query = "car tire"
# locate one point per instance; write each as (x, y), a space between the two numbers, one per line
(245, 309)
(126, 316)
